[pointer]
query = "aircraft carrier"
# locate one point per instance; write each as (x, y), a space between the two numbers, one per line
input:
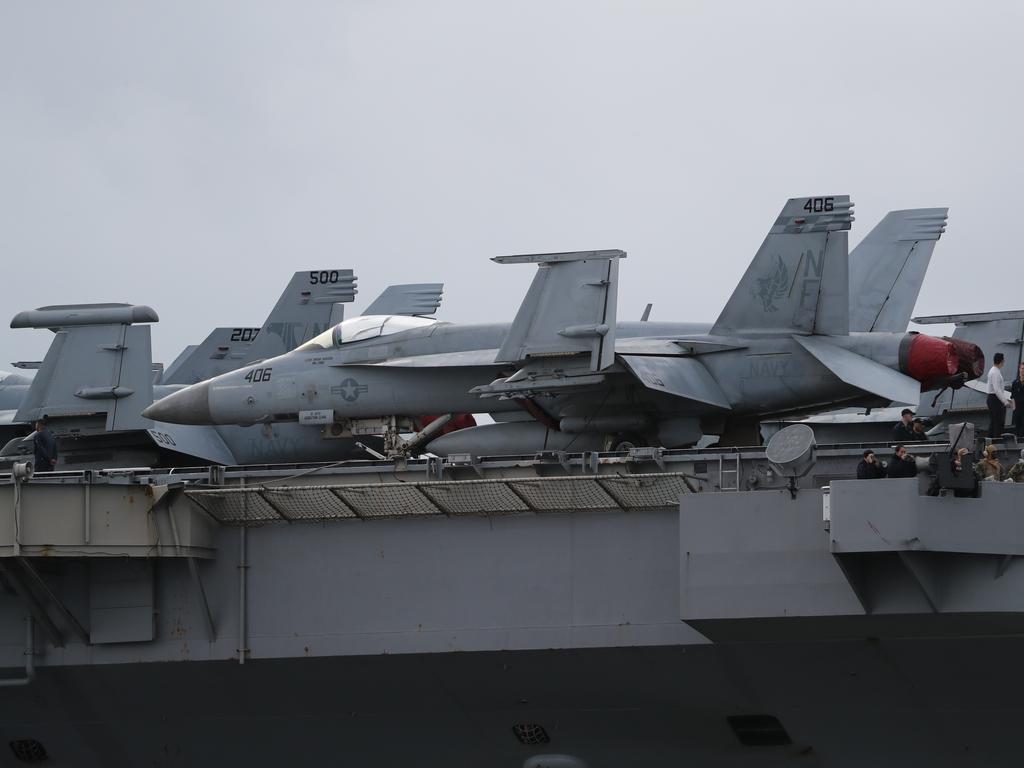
(720, 607)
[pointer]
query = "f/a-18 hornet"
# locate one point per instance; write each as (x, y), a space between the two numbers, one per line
(565, 374)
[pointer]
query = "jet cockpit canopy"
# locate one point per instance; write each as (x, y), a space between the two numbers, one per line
(365, 327)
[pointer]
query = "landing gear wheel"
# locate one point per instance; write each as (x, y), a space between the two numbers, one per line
(627, 440)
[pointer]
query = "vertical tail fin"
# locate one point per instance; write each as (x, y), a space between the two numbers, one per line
(407, 299)
(97, 374)
(798, 281)
(223, 350)
(311, 303)
(306, 308)
(888, 267)
(568, 310)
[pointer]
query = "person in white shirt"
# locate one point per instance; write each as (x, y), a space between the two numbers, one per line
(998, 399)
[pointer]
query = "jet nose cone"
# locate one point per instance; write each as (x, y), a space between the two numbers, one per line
(190, 405)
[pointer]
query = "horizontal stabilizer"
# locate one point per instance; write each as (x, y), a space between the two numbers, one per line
(978, 386)
(887, 268)
(408, 299)
(970, 317)
(860, 372)
(568, 310)
(203, 442)
(680, 377)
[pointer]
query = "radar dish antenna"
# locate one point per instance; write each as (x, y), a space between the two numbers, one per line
(791, 453)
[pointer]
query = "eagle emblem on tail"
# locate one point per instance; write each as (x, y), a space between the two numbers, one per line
(773, 285)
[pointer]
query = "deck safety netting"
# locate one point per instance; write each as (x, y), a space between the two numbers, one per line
(258, 505)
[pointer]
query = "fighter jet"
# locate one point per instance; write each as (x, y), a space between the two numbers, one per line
(566, 375)
(310, 302)
(97, 376)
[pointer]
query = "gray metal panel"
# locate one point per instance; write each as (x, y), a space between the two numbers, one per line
(121, 604)
(758, 554)
(892, 515)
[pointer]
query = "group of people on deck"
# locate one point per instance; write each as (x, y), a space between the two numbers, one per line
(910, 429)
(901, 464)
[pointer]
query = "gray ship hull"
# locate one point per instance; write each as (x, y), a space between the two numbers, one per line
(939, 702)
(374, 618)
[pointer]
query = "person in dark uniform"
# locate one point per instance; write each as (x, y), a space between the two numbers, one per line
(45, 448)
(903, 431)
(917, 431)
(902, 464)
(870, 468)
(1017, 395)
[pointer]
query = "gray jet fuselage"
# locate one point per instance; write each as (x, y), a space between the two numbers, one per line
(782, 344)
(361, 379)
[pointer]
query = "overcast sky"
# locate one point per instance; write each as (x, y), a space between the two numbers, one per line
(191, 156)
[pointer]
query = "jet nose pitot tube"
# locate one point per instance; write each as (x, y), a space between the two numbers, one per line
(940, 362)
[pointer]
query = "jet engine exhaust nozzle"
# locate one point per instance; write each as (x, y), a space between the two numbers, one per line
(941, 362)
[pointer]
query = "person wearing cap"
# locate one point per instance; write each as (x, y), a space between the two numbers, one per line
(917, 431)
(870, 468)
(998, 400)
(1017, 395)
(989, 468)
(902, 464)
(45, 448)
(903, 432)
(1016, 472)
